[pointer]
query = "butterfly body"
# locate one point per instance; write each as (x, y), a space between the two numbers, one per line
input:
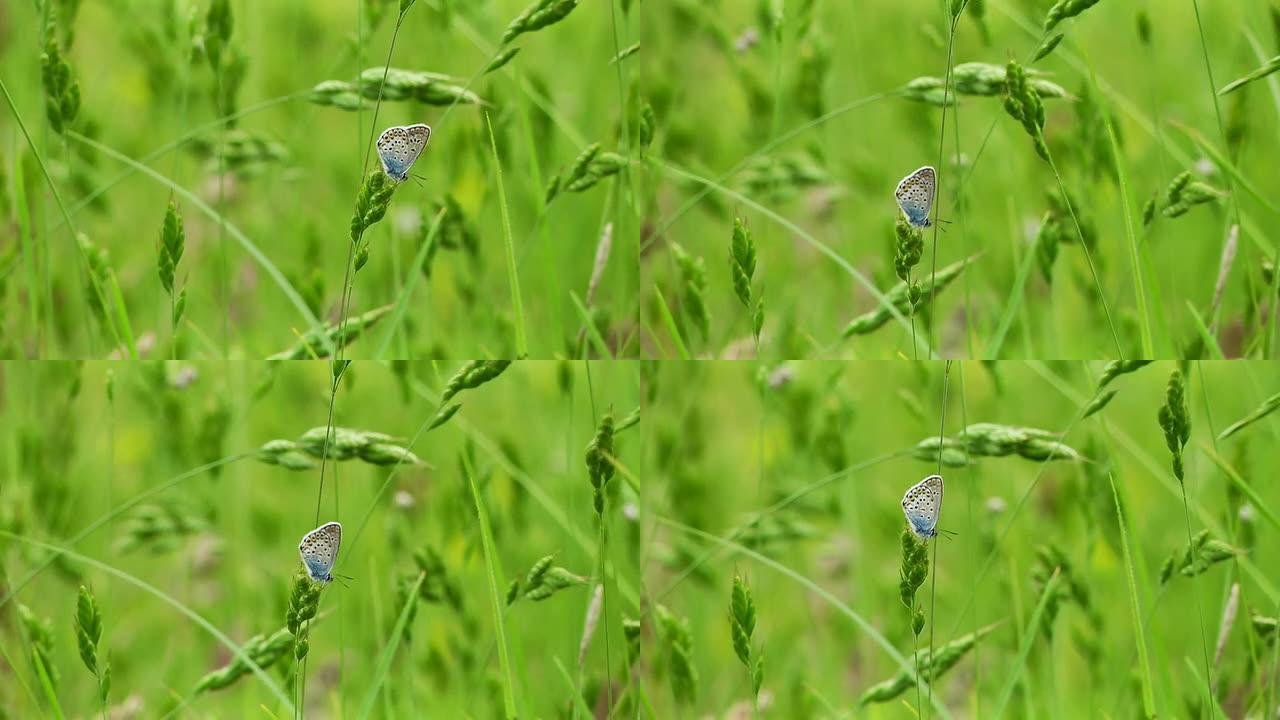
(922, 504)
(399, 147)
(915, 196)
(319, 548)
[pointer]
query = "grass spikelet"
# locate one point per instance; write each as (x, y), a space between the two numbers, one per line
(1204, 552)
(811, 74)
(371, 447)
(678, 638)
(782, 177)
(1116, 368)
(471, 376)
(1022, 103)
(88, 636)
(693, 277)
(371, 207)
(912, 572)
(247, 153)
(264, 650)
(1064, 9)
(40, 636)
(102, 292)
(994, 440)
(537, 16)
(440, 586)
(1049, 236)
(545, 579)
(468, 377)
(648, 126)
(1113, 370)
(900, 297)
(1047, 47)
(160, 528)
(930, 667)
(976, 79)
(1175, 421)
(1183, 194)
(590, 167)
(408, 593)
(426, 88)
(320, 343)
(742, 267)
(625, 53)
(599, 461)
(742, 624)
(168, 254)
(304, 602)
(1051, 561)
(61, 89)
(1267, 407)
(501, 59)
(908, 249)
(1099, 402)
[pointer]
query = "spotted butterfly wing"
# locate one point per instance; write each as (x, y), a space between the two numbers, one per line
(399, 147)
(921, 504)
(915, 196)
(319, 548)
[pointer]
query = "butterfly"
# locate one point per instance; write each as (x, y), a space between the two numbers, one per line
(921, 504)
(399, 147)
(915, 196)
(319, 548)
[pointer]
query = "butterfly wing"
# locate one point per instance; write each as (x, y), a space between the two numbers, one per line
(922, 504)
(417, 137)
(915, 195)
(319, 549)
(399, 147)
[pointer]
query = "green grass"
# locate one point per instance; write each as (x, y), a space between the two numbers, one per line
(737, 119)
(507, 484)
(285, 212)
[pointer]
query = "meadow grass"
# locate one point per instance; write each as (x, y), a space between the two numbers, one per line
(263, 146)
(444, 487)
(830, 175)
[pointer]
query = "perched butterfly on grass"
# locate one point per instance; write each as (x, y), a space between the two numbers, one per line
(921, 504)
(319, 548)
(915, 196)
(399, 147)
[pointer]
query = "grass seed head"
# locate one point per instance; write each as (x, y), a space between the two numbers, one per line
(61, 89)
(1175, 420)
(1065, 9)
(40, 635)
(1022, 102)
(599, 463)
(537, 16)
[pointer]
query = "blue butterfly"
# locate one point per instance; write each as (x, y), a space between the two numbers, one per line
(921, 504)
(319, 548)
(399, 147)
(915, 196)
